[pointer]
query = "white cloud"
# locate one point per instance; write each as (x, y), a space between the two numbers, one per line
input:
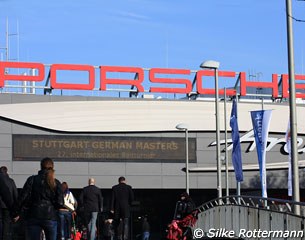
(133, 16)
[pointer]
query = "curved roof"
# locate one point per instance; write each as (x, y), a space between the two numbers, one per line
(137, 115)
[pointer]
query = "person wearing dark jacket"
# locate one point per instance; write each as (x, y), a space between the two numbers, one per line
(5, 196)
(108, 229)
(92, 201)
(42, 196)
(122, 198)
(6, 216)
(184, 206)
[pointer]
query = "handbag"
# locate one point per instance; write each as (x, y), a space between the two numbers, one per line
(69, 202)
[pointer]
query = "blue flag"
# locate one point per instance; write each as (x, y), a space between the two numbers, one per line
(261, 122)
(236, 153)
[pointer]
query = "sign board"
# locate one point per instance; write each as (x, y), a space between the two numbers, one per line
(101, 148)
(161, 80)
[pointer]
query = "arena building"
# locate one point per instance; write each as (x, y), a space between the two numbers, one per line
(105, 138)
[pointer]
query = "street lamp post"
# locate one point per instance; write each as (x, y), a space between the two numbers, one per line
(184, 127)
(215, 65)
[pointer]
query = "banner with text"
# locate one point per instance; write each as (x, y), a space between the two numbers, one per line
(261, 121)
(236, 152)
(101, 148)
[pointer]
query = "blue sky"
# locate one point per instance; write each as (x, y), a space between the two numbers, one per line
(248, 35)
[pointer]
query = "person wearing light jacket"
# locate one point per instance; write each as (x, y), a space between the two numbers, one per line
(65, 213)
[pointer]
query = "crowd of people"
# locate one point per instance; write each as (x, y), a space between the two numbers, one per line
(50, 211)
(49, 208)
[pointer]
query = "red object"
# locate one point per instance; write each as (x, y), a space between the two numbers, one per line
(174, 231)
(72, 67)
(168, 82)
(285, 86)
(177, 227)
(76, 236)
(6, 75)
(207, 73)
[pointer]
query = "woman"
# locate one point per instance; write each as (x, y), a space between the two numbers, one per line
(65, 214)
(42, 196)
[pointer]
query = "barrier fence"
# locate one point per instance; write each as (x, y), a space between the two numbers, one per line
(248, 217)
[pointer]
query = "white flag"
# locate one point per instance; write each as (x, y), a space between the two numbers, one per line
(288, 145)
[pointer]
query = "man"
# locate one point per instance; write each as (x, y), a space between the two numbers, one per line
(5, 196)
(6, 217)
(122, 197)
(92, 201)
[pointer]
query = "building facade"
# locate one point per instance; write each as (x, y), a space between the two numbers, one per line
(136, 138)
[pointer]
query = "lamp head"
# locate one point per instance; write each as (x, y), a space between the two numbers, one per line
(210, 64)
(182, 126)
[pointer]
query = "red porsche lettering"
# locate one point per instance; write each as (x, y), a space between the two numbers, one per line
(6, 75)
(133, 82)
(210, 91)
(182, 81)
(170, 80)
(72, 86)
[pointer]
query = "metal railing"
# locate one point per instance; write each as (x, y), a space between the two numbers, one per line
(251, 215)
(273, 204)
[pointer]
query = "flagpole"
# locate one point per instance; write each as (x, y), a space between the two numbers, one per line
(237, 183)
(226, 143)
(293, 114)
(265, 201)
(236, 152)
